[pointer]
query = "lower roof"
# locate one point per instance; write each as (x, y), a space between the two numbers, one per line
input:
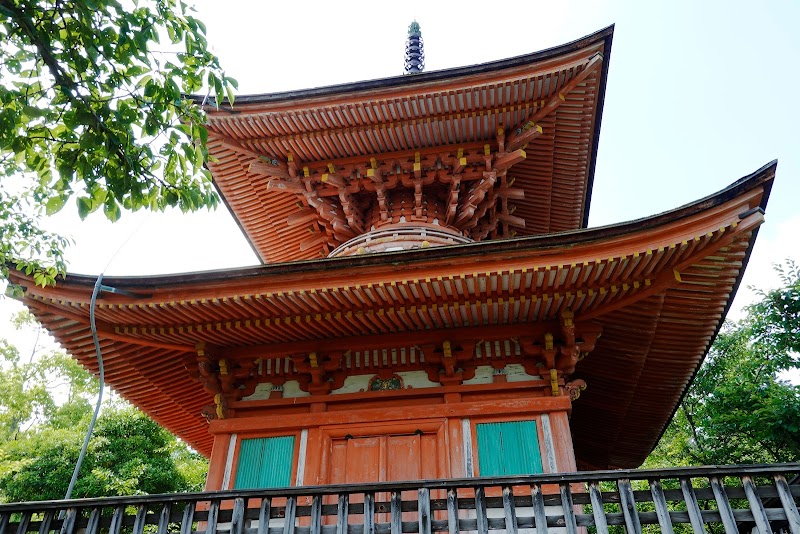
(658, 287)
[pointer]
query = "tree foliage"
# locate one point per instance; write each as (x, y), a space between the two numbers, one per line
(45, 410)
(92, 109)
(739, 409)
(129, 454)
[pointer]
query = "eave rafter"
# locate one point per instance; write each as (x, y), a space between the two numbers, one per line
(526, 131)
(591, 290)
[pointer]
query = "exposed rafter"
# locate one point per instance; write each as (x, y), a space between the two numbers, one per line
(528, 129)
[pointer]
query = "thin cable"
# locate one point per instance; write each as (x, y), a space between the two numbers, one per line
(85, 446)
(130, 236)
(98, 285)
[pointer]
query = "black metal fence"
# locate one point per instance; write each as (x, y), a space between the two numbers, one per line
(704, 499)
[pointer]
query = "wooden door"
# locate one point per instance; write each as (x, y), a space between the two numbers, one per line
(385, 458)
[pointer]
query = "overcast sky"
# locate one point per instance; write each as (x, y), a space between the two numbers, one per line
(699, 94)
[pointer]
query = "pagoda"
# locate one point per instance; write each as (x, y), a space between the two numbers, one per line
(431, 303)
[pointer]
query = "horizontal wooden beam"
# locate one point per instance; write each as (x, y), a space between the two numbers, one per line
(285, 185)
(299, 218)
(273, 168)
(514, 193)
(511, 220)
(504, 161)
(531, 405)
(395, 340)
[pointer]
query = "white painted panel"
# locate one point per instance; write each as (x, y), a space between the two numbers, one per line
(261, 392)
(301, 457)
(549, 444)
(291, 389)
(354, 384)
(483, 375)
(226, 477)
(417, 379)
(466, 432)
(515, 372)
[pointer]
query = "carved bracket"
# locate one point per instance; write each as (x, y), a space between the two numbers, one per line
(319, 373)
(556, 354)
(450, 364)
(228, 381)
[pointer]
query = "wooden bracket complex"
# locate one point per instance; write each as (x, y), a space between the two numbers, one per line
(226, 381)
(320, 373)
(450, 364)
(555, 355)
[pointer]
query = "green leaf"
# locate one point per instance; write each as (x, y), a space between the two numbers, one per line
(84, 206)
(54, 204)
(229, 93)
(111, 209)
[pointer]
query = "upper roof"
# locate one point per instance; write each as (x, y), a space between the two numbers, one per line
(657, 287)
(549, 102)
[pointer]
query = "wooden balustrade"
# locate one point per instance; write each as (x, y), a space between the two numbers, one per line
(732, 499)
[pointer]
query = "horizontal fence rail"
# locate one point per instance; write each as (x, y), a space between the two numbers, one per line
(730, 499)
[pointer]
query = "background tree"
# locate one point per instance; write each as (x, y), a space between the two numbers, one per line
(129, 454)
(92, 109)
(45, 408)
(739, 409)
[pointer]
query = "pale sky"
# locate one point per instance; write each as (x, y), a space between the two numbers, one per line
(699, 94)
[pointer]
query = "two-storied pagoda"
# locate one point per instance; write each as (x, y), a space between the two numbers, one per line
(431, 303)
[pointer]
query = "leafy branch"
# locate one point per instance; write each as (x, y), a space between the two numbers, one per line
(91, 108)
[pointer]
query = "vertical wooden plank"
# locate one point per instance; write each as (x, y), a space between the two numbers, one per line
(480, 510)
(342, 513)
(213, 515)
(237, 516)
(725, 512)
(785, 494)
(509, 510)
(141, 516)
(264, 512)
(539, 514)
(316, 514)
(25, 521)
(163, 518)
(569, 509)
(290, 515)
(695, 517)
(116, 520)
(47, 520)
(597, 508)
(756, 506)
(187, 519)
(628, 505)
(452, 511)
(93, 522)
(424, 503)
(68, 526)
(662, 511)
(397, 512)
(369, 513)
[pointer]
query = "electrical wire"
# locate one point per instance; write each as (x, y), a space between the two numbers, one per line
(93, 325)
(98, 286)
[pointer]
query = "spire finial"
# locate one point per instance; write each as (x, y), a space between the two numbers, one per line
(415, 53)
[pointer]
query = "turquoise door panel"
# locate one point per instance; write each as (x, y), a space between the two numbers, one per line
(265, 463)
(510, 448)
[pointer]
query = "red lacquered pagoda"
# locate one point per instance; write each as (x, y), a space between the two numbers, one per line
(431, 303)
